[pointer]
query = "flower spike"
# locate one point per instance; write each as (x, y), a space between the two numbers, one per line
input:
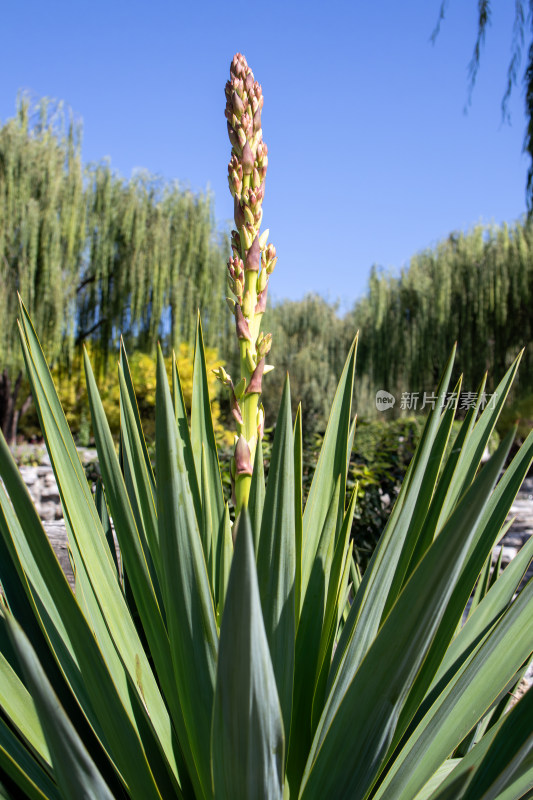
(252, 260)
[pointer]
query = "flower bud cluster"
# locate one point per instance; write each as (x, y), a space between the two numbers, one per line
(249, 159)
(236, 277)
(264, 343)
(246, 176)
(250, 266)
(269, 259)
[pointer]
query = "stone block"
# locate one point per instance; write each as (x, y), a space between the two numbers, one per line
(46, 511)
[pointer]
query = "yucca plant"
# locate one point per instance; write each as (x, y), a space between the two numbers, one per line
(250, 659)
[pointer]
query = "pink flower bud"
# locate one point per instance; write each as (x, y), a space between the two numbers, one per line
(254, 387)
(235, 242)
(247, 127)
(247, 157)
(238, 105)
(243, 331)
(238, 213)
(262, 301)
(243, 460)
(236, 410)
(253, 256)
(270, 252)
(236, 266)
(234, 139)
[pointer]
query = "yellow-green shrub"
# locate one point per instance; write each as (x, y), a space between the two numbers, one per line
(73, 393)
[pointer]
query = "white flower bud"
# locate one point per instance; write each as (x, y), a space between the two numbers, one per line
(250, 361)
(262, 280)
(263, 239)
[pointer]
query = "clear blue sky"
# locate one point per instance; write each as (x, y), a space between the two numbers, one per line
(371, 157)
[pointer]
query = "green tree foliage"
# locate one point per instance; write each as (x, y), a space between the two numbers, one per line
(310, 341)
(153, 261)
(95, 256)
(42, 232)
(475, 287)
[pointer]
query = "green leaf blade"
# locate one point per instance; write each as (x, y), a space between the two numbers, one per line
(341, 763)
(187, 591)
(247, 736)
(276, 558)
(76, 773)
(330, 467)
(203, 435)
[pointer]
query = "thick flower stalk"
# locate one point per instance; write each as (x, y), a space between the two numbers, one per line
(249, 267)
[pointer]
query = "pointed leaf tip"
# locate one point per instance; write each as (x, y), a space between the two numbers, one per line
(247, 737)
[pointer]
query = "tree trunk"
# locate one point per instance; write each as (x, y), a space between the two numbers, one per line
(9, 413)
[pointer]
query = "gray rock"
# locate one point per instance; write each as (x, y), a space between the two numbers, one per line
(29, 475)
(508, 553)
(58, 539)
(50, 495)
(35, 493)
(50, 479)
(87, 455)
(513, 540)
(46, 511)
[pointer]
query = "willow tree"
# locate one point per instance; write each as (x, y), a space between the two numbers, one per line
(311, 340)
(42, 231)
(476, 288)
(94, 256)
(153, 259)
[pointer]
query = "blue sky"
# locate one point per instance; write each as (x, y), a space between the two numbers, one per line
(371, 156)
